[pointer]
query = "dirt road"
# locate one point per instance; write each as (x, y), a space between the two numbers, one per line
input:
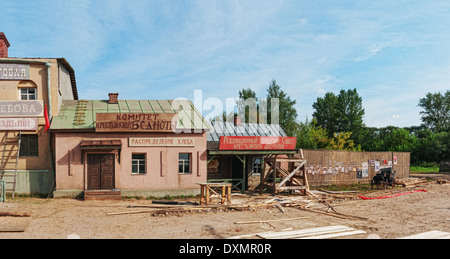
(387, 218)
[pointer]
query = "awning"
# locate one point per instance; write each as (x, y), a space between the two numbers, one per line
(101, 144)
(107, 145)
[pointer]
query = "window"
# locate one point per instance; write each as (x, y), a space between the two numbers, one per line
(184, 163)
(256, 166)
(138, 164)
(27, 93)
(29, 145)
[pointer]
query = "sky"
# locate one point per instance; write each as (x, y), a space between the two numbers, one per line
(392, 52)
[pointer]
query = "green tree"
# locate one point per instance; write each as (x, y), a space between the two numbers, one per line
(325, 112)
(342, 141)
(350, 113)
(341, 113)
(287, 114)
(312, 136)
(247, 105)
(436, 113)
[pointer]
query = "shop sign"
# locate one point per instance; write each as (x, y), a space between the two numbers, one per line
(135, 122)
(19, 124)
(21, 109)
(257, 143)
(161, 142)
(14, 71)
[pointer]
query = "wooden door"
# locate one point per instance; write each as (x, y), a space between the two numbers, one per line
(107, 172)
(100, 171)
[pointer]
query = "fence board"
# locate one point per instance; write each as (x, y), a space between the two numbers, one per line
(326, 167)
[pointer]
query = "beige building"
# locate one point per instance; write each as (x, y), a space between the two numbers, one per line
(31, 90)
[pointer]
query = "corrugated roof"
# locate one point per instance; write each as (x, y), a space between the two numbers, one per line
(219, 129)
(80, 114)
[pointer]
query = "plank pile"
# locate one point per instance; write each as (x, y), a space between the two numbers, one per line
(409, 182)
(429, 235)
(310, 233)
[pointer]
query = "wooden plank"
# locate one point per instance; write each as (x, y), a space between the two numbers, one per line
(291, 174)
(333, 235)
(304, 232)
(429, 235)
(273, 220)
(302, 187)
(13, 224)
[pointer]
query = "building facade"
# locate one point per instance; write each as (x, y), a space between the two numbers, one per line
(134, 147)
(32, 91)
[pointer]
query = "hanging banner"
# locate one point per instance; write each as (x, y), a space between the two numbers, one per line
(19, 124)
(257, 143)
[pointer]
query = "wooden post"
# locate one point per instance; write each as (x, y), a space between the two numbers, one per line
(244, 175)
(202, 194)
(207, 195)
(263, 172)
(222, 199)
(274, 176)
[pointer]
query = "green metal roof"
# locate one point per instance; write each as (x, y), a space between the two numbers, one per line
(80, 114)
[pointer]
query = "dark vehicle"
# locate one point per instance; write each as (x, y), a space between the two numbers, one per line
(384, 177)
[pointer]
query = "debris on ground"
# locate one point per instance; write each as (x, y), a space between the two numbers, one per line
(410, 181)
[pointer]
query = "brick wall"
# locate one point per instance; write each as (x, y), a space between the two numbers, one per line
(4, 45)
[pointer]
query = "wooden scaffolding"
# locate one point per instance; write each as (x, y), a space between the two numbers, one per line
(292, 178)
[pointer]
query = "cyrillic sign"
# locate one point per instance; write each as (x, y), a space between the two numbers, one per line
(19, 124)
(161, 142)
(14, 71)
(21, 109)
(257, 143)
(138, 122)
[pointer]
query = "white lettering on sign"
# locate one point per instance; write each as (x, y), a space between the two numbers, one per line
(21, 108)
(161, 142)
(14, 71)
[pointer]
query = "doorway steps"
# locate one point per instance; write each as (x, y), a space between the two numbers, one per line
(90, 195)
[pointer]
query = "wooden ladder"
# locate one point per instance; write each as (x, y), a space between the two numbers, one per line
(9, 158)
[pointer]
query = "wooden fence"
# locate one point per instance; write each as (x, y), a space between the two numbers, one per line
(327, 167)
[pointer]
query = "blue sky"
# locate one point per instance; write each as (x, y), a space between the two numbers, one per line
(392, 52)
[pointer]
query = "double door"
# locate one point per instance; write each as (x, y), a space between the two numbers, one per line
(100, 171)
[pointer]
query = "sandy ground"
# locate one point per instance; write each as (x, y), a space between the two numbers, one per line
(387, 218)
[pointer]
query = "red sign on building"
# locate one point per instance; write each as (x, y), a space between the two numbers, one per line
(257, 143)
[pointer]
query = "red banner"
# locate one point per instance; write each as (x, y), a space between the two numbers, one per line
(257, 143)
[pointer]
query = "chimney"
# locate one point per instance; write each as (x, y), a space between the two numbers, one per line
(237, 121)
(4, 45)
(113, 98)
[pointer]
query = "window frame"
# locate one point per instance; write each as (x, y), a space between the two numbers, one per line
(139, 164)
(26, 143)
(28, 94)
(184, 161)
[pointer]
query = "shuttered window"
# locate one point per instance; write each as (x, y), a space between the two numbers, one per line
(29, 146)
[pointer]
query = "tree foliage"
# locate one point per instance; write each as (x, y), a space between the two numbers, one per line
(287, 114)
(341, 113)
(436, 113)
(312, 136)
